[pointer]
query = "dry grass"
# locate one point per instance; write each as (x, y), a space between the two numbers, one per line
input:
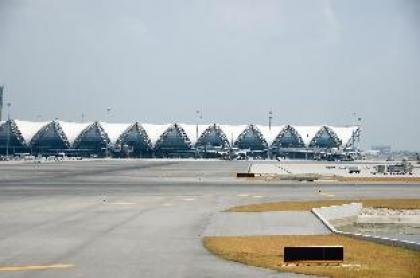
(308, 205)
(386, 179)
(375, 260)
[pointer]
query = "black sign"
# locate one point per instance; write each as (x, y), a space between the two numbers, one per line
(245, 175)
(313, 253)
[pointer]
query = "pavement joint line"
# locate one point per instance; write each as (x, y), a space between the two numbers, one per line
(122, 203)
(34, 267)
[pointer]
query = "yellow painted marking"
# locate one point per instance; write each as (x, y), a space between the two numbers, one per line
(34, 267)
(327, 194)
(257, 196)
(243, 195)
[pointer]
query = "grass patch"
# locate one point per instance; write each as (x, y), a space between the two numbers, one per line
(375, 260)
(383, 179)
(308, 205)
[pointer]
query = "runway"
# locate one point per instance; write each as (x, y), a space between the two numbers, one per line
(135, 218)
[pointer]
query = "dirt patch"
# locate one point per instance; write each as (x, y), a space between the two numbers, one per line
(308, 205)
(361, 258)
(387, 179)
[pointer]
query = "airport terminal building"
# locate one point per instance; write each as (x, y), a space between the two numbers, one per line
(142, 140)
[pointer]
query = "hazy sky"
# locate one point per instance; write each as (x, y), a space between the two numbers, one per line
(312, 62)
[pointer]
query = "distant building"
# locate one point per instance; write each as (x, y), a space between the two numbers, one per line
(176, 140)
(382, 149)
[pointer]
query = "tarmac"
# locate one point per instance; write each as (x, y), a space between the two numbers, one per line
(265, 224)
(141, 218)
(325, 168)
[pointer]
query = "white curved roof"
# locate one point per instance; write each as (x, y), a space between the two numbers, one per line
(155, 131)
(2, 122)
(72, 130)
(307, 132)
(232, 132)
(270, 135)
(191, 131)
(114, 130)
(29, 129)
(344, 133)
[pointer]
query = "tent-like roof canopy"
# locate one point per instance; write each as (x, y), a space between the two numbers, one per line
(155, 131)
(270, 134)
(191, 131)
(345, 134)
(72, 130)
(114, 131)
(28, 129)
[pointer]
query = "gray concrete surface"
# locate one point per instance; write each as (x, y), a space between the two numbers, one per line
(265, 223)
(327, 169)
(340, 215)
(135, 218)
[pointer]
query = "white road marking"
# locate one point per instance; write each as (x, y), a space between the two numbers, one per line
(327, 194)
(123, 203)
(243, 195)
(188, 199)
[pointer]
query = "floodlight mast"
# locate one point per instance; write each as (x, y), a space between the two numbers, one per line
(270, 119)
(1, 101)
(356, 133)
(8, 129)
(108, 114)
(199, 116)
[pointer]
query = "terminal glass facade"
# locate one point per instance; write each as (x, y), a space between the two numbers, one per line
(325, 139)
(10, 141)
(93, 140)
(49, 139)
(213, 137)
(173, 141)
(137, 141)
(251, 139)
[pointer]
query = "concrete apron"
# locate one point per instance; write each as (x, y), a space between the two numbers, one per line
(333, 215)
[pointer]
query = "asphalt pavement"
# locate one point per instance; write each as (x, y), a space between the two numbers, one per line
(136, 218)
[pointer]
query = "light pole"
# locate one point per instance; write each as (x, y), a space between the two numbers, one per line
(107, 148)
(199, 118)
(108, 113)
(1, 101)
(270, 118)
(8, 129)
(357, 122)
